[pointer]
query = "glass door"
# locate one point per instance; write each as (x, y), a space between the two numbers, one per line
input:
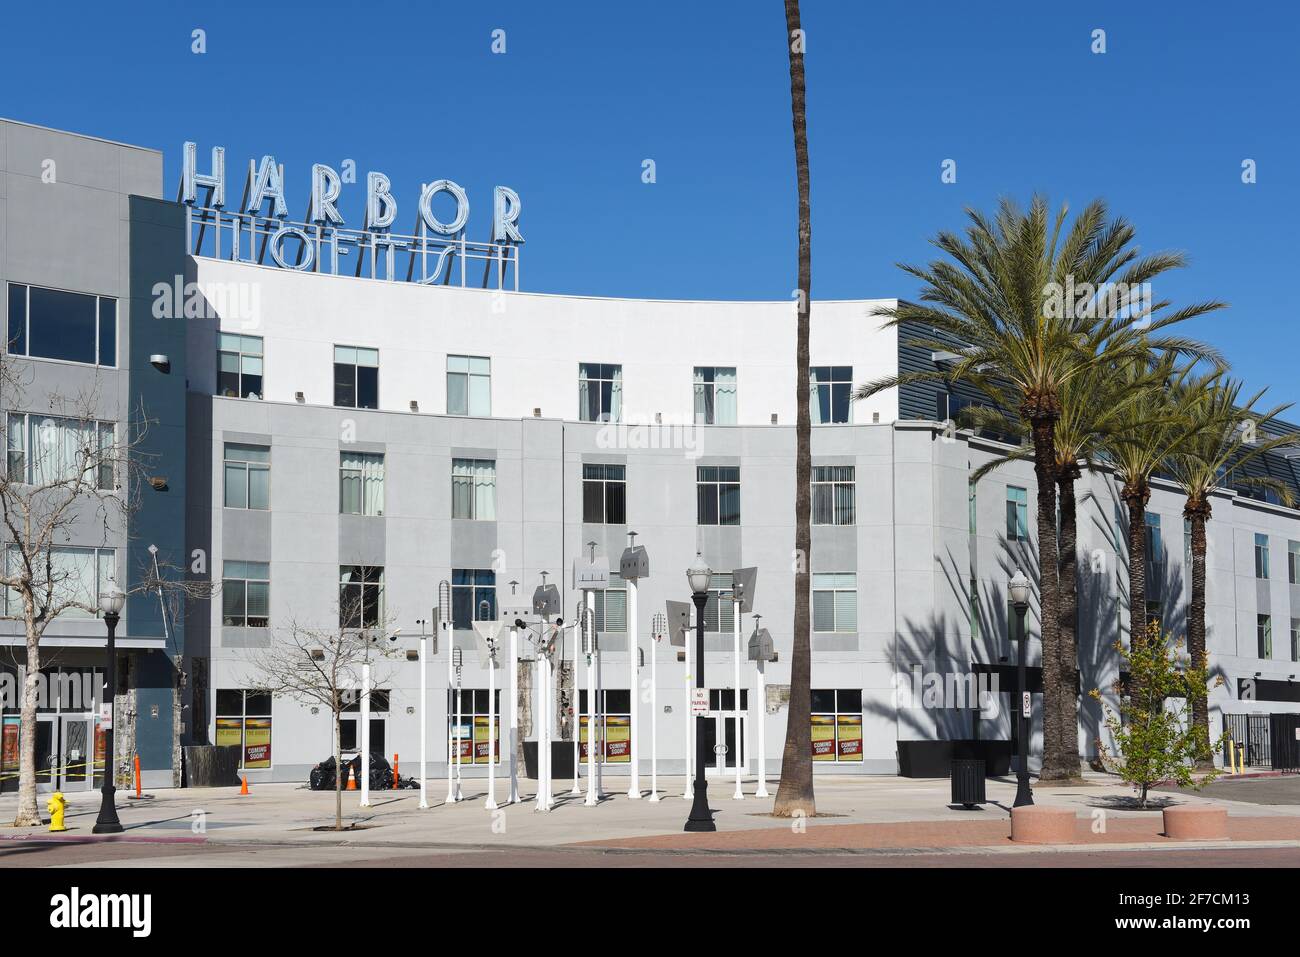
(724, 743)
(76, 752)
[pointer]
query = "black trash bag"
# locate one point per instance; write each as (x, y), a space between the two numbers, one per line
(322, 776)
(381, 775)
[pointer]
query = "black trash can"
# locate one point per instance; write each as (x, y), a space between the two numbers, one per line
(967, 776)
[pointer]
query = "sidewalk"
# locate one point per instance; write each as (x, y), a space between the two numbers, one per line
(854, 814)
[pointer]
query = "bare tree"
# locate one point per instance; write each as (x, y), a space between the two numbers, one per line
(321, 666)
(69, 476)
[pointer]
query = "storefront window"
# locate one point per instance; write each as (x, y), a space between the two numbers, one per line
(477, 731)
(244, 719)
(614, 727)
(837, 724)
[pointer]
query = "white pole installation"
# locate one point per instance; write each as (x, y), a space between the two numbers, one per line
(736, 729)
(687, 792)
(634, 697)
(654, 715)
(491, 802)
(576, 708)
(543, 740)
(365, 733)
(760, 714)
(593, 711)
(514, 715)
(452, 731)
(424, 715)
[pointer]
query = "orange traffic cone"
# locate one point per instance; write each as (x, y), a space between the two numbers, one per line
(243, 788)
(352, 783)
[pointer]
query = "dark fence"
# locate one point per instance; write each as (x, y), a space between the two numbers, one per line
(1251, 734)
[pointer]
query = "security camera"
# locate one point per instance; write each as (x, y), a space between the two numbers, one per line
(393, 636)
(519, 623)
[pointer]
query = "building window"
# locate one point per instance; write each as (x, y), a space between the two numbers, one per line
(1261, 555)
(474, 489)
(247, 476)
(604, 494)
(75, 575)
(1293, 562)
(1017, 514)
(974, 604)
(717, 490)
(239, 366)
(361, 483)
(836, 724)
(830, 389)
(244, 719)
(719, 611)
(835, 602)
(715, 395)
(53, 450)
(356, 377)
(614, 726)
(1264, 635)
(473, 596)
(611, 606)
(350, 727)
(469, 385)
(600, 392)
(1155, 560)
(245, 594)
(55, 324)
(361, 595)
(1295, 639)
(476, 735)
(833, 495)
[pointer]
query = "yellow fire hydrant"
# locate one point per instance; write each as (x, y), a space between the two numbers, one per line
(57, 805)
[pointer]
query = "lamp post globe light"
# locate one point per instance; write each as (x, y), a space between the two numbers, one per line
(1018, 588)
(111, 600)
(698, 576)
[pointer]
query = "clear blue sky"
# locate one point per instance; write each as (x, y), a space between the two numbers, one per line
(1158, 125)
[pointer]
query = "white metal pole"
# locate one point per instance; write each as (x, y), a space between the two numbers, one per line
(633, 692)
(688, 791)
(514, 715)
(491, 802)
(539, 681)
(365, 734)
(736, 729)
(593, 785)
(578, 634)
(451, 728)
(654, 720)
(424, 718)
(760, 716)
(460, 738)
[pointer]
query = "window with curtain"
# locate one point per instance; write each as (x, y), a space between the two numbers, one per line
(600, 392)
(835, 602)
(611, 606)
(715, 395)
(52, 449)
(361, 483)
(474, 489)
(604, 494)
(719, 613)
(833, 499)
(239, 366)
(356, 377)
(76, 575)
(247, 471)
(245, 594)
(830, 388)
(717, 491)
(361, 596)
(469, 385)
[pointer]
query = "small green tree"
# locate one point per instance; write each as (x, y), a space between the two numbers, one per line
(1156, 738)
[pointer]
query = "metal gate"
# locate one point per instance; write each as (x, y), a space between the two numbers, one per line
(1251, 734)
(1285, 729)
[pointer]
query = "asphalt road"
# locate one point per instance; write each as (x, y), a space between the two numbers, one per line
(1279, 790)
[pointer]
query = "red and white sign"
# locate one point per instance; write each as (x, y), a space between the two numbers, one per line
(699, 701)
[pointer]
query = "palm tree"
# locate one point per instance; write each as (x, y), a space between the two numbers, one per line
(1009, 294)
(1231, 437)
(1092, 405)
(795, 793)
(1159, 425)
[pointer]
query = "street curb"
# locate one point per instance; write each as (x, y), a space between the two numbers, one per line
(100, 839)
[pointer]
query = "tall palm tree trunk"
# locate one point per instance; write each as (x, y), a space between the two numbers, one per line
(1042, 415)
(795, 793)
(1136, 497)
(1069, 590)
(1197, 513)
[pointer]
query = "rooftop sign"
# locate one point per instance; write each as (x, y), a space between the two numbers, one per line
(258, 230)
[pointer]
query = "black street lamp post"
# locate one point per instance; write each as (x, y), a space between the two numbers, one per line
(110, 603)
(699, 576)
(1019, 588)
